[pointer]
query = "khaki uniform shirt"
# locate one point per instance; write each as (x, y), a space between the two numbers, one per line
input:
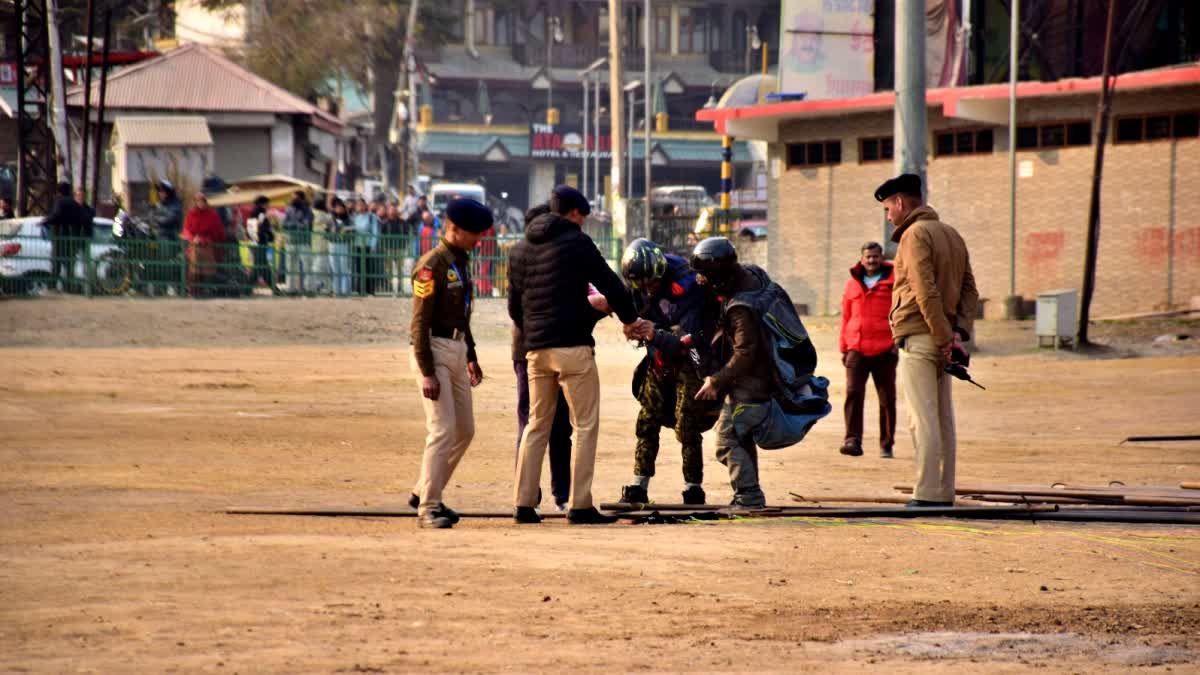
(934, 290)
(441, 302)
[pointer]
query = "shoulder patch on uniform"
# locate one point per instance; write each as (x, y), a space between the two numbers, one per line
(425, 274)
(423, 289)
(676, 288)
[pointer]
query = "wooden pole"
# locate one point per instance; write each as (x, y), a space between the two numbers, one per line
(1093, 228)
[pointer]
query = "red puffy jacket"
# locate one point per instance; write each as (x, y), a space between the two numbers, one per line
(865, 326)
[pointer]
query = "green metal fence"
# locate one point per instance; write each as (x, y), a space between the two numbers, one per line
(340, 266)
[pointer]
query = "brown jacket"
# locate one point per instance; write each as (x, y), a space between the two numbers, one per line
(935, 289)
(441, 302)
(746, 376)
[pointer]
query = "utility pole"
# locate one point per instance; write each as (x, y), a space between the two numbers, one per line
(616, 107)
(1093, 229)
(100, 105)
(57, 93)
(410, 68)
(87, 100)
(910, 119)
(1012, 304)
(646, 118)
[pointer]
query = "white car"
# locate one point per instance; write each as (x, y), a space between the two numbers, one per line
(442, 194)
(25, 253)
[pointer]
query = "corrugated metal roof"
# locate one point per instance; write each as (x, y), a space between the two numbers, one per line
(163, 131)
(472, 145)
(196, 78)
(680, 150)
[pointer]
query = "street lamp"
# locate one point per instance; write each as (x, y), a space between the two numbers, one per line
(586, 75)
(630, 91)
(555, 34)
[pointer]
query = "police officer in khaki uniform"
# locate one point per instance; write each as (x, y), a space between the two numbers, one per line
(443, 354)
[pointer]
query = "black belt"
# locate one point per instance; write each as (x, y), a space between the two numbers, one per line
(448, 333)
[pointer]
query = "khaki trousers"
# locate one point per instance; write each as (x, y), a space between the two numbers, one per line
(574, 370)
(449, 421)
(930, 417)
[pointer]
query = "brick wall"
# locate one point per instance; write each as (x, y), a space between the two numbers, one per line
(821, 216)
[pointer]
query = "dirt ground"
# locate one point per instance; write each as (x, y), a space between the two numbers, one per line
(128, 426)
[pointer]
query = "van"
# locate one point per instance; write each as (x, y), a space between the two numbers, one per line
(440, 194)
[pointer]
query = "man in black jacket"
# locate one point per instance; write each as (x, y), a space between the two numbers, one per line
(65, 223)
(549, 273)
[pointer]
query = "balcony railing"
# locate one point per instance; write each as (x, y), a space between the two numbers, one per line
(730, 61)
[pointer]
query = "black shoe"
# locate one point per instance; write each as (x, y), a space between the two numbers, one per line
(634, 494)
(693, 495)
(435, 520)
(414, 500)
(886, 453)
(589, 516)
(852, 447)
(921, 503)
(447, 513)
(526, 515)
(737, 504)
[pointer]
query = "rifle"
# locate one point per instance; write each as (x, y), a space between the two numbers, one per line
(959, 360)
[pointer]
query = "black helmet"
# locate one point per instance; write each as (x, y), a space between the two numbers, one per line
(715, 259)
(642, 262)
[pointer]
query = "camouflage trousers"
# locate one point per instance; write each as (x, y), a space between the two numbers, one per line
(670, 401)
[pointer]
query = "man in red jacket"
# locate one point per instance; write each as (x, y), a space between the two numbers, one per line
(867, 348)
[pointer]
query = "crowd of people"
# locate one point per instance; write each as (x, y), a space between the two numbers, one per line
(725, 348)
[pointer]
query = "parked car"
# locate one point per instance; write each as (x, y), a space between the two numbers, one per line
(441, 194)
(754, 230)
(25, 253)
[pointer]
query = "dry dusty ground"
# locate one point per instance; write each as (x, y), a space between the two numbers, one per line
(127, 426)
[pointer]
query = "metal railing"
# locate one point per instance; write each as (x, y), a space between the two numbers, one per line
(331, 265)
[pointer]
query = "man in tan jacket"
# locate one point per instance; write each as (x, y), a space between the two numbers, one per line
(932, 315)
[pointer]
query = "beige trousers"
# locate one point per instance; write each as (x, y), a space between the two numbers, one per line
(930, 417)
(449, 421)
(573, 369)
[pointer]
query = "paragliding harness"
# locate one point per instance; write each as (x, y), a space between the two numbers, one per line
(799, 398)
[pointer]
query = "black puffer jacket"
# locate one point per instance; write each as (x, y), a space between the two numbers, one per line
(549, 273)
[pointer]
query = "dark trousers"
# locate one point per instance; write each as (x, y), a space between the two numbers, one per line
(560, 434)
(262, 267)
(63, 251)
(881, 368)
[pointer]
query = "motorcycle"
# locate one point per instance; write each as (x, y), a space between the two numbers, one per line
(124, 266)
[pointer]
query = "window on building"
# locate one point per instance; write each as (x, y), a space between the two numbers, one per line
(483, 36)
(1053, 135)
(662, 29)
(1079, 133)
(1136, 128)
(693, 28)
(818, 153)
(502, 25)
(602, 27)
(963, 142)
(875, 149)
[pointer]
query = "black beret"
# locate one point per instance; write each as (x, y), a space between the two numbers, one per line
(565, 199)
(905, 183)
(469, 214)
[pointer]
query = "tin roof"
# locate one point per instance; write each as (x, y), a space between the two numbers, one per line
(196, 78)
(163, 130)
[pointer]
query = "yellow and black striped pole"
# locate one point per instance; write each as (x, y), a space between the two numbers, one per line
(726, 170)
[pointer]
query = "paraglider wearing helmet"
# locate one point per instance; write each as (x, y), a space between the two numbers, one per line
(715, 259)
(643, 262)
